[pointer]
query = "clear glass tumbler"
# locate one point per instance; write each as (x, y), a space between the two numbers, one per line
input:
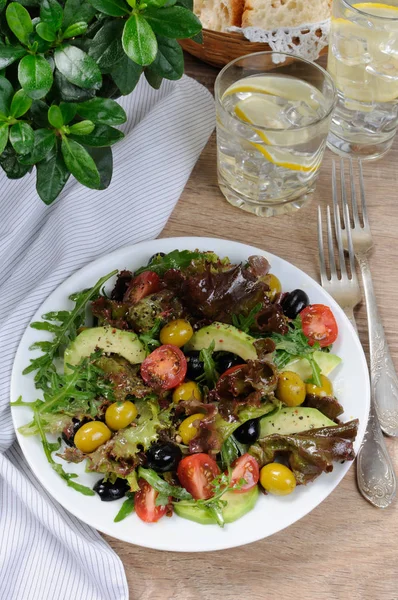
(363, 61)
(273, 117)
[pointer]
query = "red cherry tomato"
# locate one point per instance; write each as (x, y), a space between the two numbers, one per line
(196, 472)
(145, 503)
(319, 325)
(164, 368)
(245, 467)
(144, 284)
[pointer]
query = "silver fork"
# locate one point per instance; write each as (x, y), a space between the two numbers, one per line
(375, 473)
(384, 379)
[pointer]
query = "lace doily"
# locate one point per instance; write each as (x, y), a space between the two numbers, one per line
(305, 41)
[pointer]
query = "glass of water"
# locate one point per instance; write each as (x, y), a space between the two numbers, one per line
(363, 61)
(273, 117)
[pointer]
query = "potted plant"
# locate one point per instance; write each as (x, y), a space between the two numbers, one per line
(62, 63)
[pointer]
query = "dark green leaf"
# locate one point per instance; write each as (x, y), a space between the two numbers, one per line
(170, 2)
(198, 38)
(173, 22)
(104, 160)
(139, 41)
(55, 116)
(161, 486)
(82, 128)
(68, 110)
(51, 177)
(35, 76)
(9, 54)
(6, 94)
(38, 111)
(69, 92)
(20, 104)
(126, 509)
(169, 61)
(77, 10)
(78, 67)
(44, 140)
(103, 135)
(153, 78)
(106, 47)
(2, 5)
(46, 31)
(11, 165)
(114, 8)
(157, 3)
(22, 138)
(103, 111)
(3, 137)
(186, 4)
(80, 163)
(19, 21)
(75, 29)
(126, 75)
(51, 12)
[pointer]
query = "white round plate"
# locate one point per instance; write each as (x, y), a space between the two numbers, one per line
(271, 513)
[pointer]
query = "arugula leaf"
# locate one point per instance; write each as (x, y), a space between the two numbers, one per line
(294, 344)
(177, 259)
(229, 452)
(64, 325)
(210, 374)
(150, 339)
(161, 486)
(243, 322)
(126, 509)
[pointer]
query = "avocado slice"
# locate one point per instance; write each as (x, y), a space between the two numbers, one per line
(226, 337)
(238, 505)
(327, 363)
(293, 420)
(109, 339)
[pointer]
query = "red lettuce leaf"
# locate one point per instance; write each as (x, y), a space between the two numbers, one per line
(327, 405)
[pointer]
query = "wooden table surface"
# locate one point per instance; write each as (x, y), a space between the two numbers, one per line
(345, 548)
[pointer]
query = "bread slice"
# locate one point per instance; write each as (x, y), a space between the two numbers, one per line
(270, 14)
(219, 14)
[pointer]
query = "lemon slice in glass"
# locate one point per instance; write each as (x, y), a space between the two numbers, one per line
(378, 9)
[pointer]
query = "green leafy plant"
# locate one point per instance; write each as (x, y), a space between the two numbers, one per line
(63, 64)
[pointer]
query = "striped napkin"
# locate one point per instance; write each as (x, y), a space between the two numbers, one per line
(45, 553)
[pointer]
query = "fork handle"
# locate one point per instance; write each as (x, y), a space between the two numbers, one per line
(384, 380)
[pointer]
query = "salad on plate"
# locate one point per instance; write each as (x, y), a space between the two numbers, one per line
(191, 388)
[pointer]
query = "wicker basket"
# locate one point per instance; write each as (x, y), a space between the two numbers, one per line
(219, 48)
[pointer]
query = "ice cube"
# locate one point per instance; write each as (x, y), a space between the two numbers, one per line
(349, 49)
(298, 114)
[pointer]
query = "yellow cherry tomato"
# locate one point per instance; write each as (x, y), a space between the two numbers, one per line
(120, 414)
(326, 388)
(277, 479)
(187, 391)
(290, 389)
(187, 430)
(91, 435)
(274, 285)
(177, 332)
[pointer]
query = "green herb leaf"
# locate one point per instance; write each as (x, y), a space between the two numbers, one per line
(9, 54)
(69, 92)
(186, 4)
(103, 111)
(35, 76)
(3, 137)
(210, 372)
(106, 47)
(126, 75)
(157, 3)
(6, 94)
(82, 128)
(19, 21)
(139, 41)
(51, 178)
(51, 13)
(68, 110)
(75, 29)
(20, 104)
(9, 162)
(244, 323)
(173, 22)
(169, 61)
(229, 452)
(77, 10)
(46, 31)
(22, 138)
(113, 8)
(161, 486)
(44, 140)
(55, 117)
(38, 112)
(78, 67)
(150, 339)
(80, 163)
(104, 162)
(102, 135)
(177, 259)
(126, 509)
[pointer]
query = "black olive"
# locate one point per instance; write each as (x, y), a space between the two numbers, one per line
(248, 432)
(108, 491)
(163, 457)
(154, 256)
(226, 360)
(294, 302)
(68, 435)
(194, 365)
